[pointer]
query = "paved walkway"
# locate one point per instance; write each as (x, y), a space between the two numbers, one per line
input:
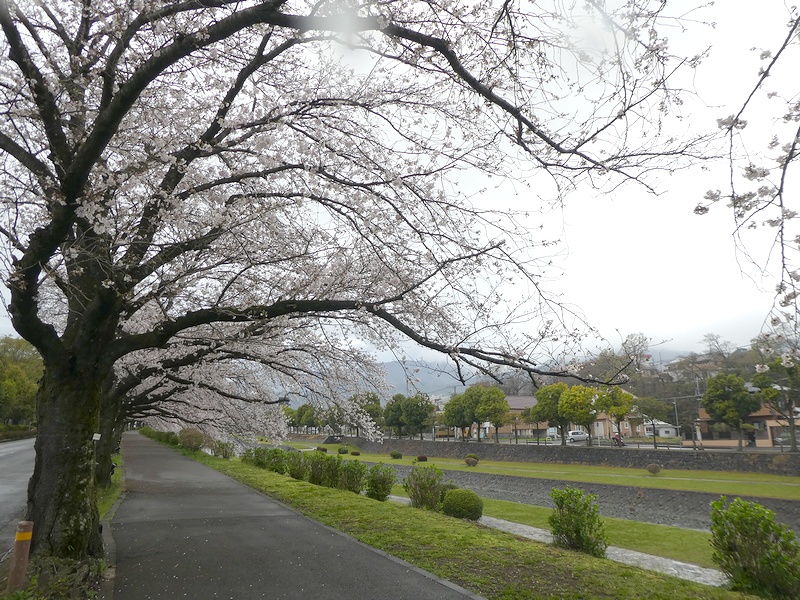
(186, 531)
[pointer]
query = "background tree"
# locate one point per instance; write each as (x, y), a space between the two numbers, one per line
(652, 410)
(370, 403)
(417, 411)
(493, 408)
(275, 182)
(393, 414)
(780, 391)
(617, 404)
(459, 411)
(577, 404)
(20, 370)
(528, 416)
(306, 416)
(777, 348)
(547, 411)
(727, 400)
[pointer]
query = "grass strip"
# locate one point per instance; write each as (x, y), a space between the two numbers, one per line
(756, 485)
(107, 496)
(494, 564)
(676, 543)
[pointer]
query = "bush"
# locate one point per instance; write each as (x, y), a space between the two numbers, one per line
(165, 437)
(322, 449)
(352, 474)
(256, 457)
(380, 480)
(222, 449)
(343, 450)
(653, 469)
(396, 454)
(423, 486)
(472, 455)
(471, 462)
(422, 458)
(444, 488)
(275, 460)
(463, 504)
(576, 522)
(330, 471)
(355, 453)
(296, 465)
(759, 555)
(316, 467)
(192, 439)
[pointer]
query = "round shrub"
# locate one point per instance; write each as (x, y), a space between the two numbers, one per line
(343, 450)
(422, 458)
(355, 453)
(471, 462)
(396, 454)
(322, 448)
(653, 469)
(192, 439)
(463, 504)
(472, 455)
(446, 487)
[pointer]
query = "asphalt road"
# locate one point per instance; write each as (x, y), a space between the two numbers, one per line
(186, 531)
(16, 468)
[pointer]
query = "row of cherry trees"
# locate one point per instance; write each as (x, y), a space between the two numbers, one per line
(200, 194)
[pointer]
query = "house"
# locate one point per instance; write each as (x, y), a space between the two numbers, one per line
(605, 427)
(769, 430)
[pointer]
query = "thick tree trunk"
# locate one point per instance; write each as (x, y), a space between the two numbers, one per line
(62, 498)
(111, 421)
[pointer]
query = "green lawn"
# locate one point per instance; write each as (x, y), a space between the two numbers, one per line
(488, 562)
(760, 485)
(106, 497)
(685, 545)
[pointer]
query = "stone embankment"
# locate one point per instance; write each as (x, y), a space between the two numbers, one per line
(636, 458)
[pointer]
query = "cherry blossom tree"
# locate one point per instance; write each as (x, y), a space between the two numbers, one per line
(763, 141)
(171, 164)
(227, 386)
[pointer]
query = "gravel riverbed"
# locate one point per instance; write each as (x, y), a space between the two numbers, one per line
(663, 507)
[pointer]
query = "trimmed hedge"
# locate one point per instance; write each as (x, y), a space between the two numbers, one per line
(463, 504)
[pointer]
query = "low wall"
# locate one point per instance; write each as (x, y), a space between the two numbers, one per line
(708, 460)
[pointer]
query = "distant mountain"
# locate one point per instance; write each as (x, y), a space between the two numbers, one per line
(438, 380)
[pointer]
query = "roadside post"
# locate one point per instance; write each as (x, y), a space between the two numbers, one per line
(19, 557)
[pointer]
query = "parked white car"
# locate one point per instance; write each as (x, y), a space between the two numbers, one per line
(577, 436)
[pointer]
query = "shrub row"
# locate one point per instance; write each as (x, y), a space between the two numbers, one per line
(191, 439)
(320, 468)
(17, 434)
(165, 437)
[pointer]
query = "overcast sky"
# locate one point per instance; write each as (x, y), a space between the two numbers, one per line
(639, 263)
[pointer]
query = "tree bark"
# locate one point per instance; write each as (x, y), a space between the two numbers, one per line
(62, 496)
(111, 420)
